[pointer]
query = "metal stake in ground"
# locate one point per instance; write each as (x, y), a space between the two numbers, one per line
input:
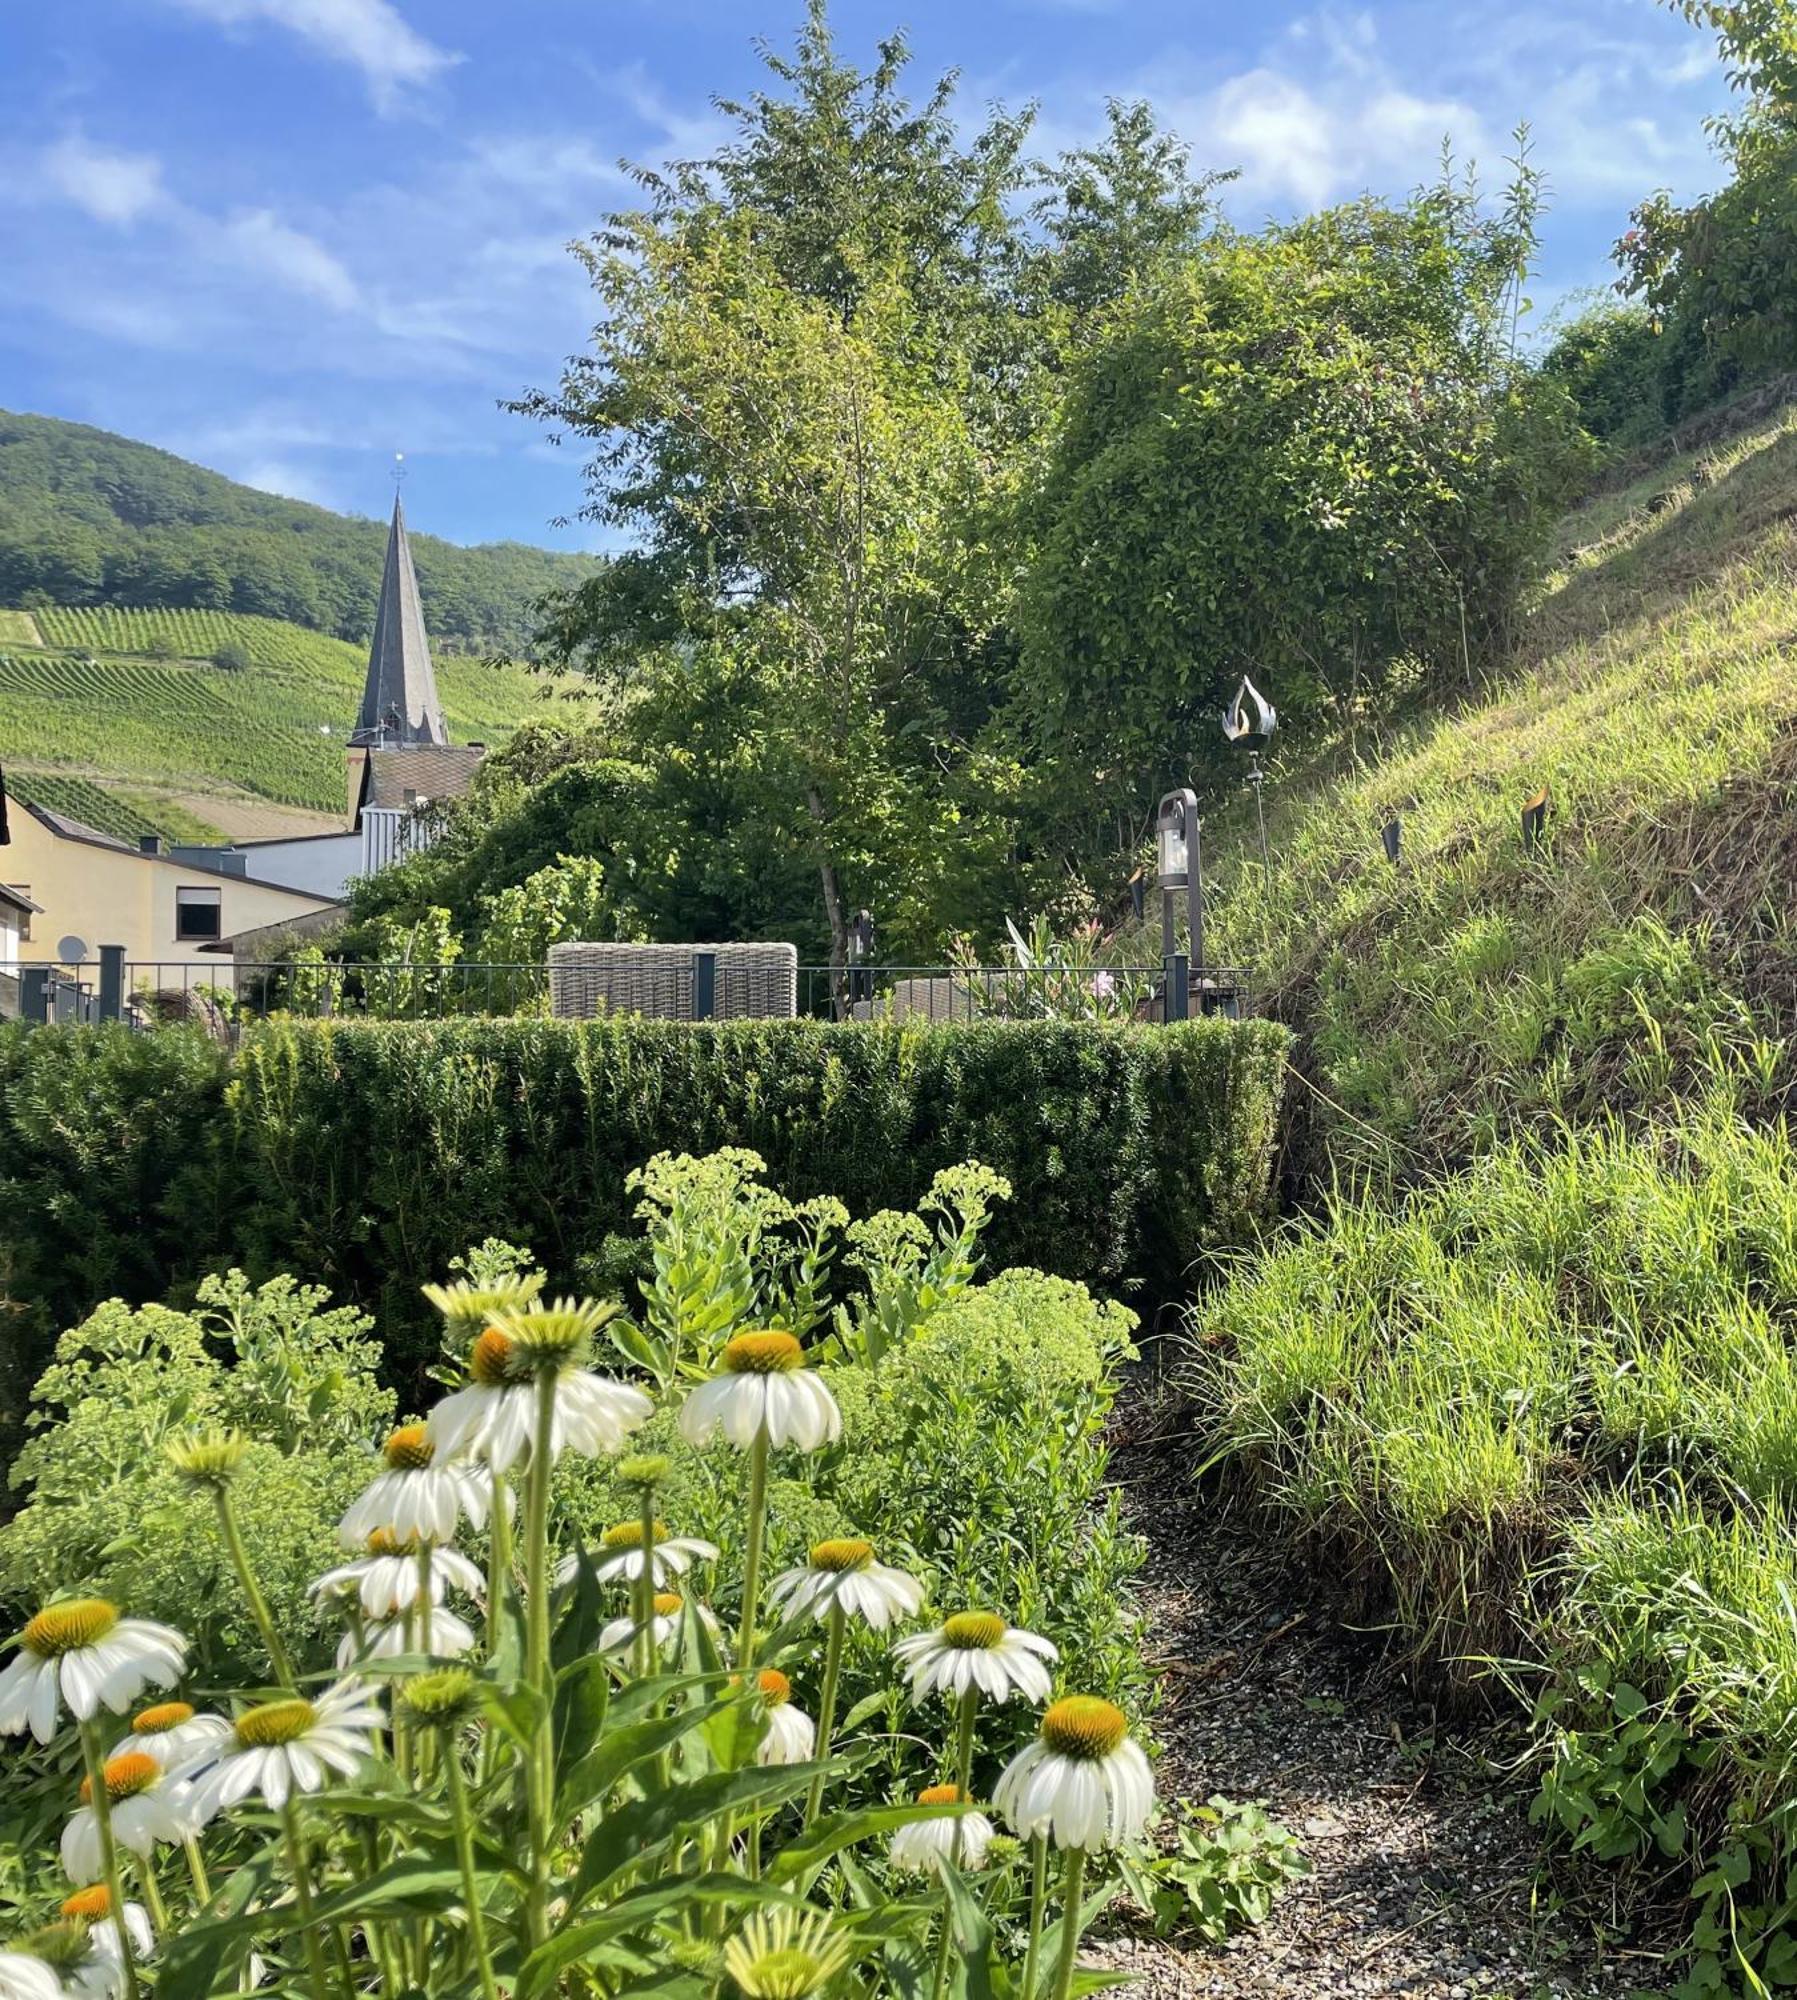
(1250, 720)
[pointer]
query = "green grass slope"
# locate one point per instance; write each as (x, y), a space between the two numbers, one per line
(87, 517)
(1475, 988)
(126, 719)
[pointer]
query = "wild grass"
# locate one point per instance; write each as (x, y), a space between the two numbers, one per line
(1476, 989)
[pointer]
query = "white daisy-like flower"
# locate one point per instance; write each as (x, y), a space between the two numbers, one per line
(786, 1954)
(101, 1969)
(25, 1977)
(387, 1639)
(763, 1389)
(619, 1555)
(419, 1497)
(922, 1846)
(977, 1649)
(147, 1805)
(495, 1417)
(287, 1747)
(791, 1734)
(387, 1581)
(84, 1653)
(844, 1573)
(1082, 1781)
(618, 1635)
(174, 1733)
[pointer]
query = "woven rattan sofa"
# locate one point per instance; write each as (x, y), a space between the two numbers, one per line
(667, 981)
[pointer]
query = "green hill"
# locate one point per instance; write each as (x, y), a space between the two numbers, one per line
(128, 719)
(88, 518)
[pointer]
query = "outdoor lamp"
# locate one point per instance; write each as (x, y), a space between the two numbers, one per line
(1249, 721)
(1180, 865)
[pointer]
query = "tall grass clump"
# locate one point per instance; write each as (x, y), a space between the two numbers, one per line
(1542, 1421)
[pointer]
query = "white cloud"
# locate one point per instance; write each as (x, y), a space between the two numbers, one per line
(262, 242)
(113, 187)
(370, 35)
(291, 482)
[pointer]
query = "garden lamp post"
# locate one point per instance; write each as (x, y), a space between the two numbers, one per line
(861, 951)
(1250, 720)
(1180, 865)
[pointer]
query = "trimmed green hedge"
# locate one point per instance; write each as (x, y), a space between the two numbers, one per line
(364, 1156)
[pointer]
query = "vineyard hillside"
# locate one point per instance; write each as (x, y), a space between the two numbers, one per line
(197, 724)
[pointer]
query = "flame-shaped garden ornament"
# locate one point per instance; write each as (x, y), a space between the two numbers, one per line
(1250, 720)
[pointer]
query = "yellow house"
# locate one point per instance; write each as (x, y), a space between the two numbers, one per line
(164, 910)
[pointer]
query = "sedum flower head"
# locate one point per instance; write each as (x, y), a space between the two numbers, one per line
(786, 1955)
(208, 1459)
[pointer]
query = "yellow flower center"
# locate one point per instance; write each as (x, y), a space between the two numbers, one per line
(384, 1542)
(668, 1603)
(775, 1687)
(409, 1448)
(973, 1631)
(126, 1775)
(629, 1535)
(845, 1554)
(491, 1361)
(1083, 1726)
(773, 1352)
(90, 1904)
(275, 1722)
(939, 1795)
(164, 1716)
(66, 1628)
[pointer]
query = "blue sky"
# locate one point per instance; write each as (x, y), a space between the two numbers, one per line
(288, 238)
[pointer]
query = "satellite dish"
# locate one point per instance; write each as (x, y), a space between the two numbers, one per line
(71, 950)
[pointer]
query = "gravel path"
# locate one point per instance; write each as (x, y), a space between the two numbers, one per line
(1425, 1877)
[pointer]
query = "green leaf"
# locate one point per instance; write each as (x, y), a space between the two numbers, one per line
(585, 1941)
(582, 1695)
(831, 1834)
(422, 1884)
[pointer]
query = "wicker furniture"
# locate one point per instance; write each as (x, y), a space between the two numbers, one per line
(666, 981)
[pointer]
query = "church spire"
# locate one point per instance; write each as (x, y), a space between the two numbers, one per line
(399, 704)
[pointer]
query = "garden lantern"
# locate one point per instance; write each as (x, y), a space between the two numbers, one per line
(1249, 721)
(861, 951)
(1392, 835)
(1180, 865)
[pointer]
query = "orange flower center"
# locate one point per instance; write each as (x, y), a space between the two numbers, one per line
(772, 1352)
(90, 1904)
(845, 1554)
(629, 1535)
(1084, 1727)
(491, 1362)
(164, 1716)
(66, 1628)
(668, 1603)
(409, 1448)
(939, 1795)
(775, 1687)
(126, 1775)
(973, 1631)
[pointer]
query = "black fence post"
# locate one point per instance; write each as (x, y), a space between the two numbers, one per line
(34, 993)
(1178, 1005)
(705, 985)
(112, 982)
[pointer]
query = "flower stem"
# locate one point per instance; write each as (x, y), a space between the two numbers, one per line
(1072, 1893)
(826, 1704)
(302, 1892)
(540, 1762)
(645, 1591)
(964, 1761)
(146, 1874)
(1038, 1903)
(196, 1867)
(109, 1853)
(499, 1559)
(745, 1644)
(252, 1590)
(424, 1597)
(939, 1985)
(464, 1849)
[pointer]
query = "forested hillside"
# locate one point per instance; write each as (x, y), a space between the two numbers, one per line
(90, 518)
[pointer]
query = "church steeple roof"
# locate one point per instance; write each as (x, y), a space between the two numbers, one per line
(399, 703)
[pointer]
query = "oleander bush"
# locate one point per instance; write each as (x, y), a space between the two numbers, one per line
(1542, 1420)
(363, 1157)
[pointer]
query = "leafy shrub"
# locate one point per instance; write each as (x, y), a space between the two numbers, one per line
(1226, 1868)
(364, 1157)
(105, 1511)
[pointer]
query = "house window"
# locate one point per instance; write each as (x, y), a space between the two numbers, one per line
(196, 915)
(22, 917)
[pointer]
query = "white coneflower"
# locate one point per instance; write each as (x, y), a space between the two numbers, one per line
(25, 1976)
(147, 1805)
(287, 1747)
(388, 1580)
(174, 1733)
(843, 1574)
(420, 1497)
(790, 1734)
(83, 1652)
(763, 1389)
(619, 1555)
(925, 1844)
(1082, 1781)
(786, 1955)
(619, 1634)
(388, 1639)
(101, 1969)
(977, 1650)
(494, 1417)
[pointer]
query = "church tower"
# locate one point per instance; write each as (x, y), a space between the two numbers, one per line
(400, 709)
